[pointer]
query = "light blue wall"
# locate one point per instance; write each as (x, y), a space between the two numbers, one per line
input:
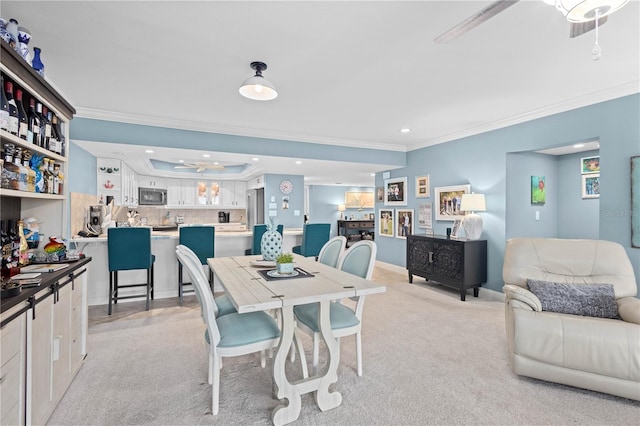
(324, 201)
(285, 217)
(82, 176)
(480, 160)
(520, 213)
(577, 217)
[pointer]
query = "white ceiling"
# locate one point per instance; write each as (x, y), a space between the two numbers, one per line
(350, 73)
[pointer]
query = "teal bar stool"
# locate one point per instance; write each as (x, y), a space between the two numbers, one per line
(129, 249)
(258, 232)
(314, 237)
(201, 240)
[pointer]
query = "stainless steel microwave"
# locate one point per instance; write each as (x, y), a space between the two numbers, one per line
(152, 197)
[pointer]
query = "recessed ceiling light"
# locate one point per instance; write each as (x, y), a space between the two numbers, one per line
(216, 163)
(578, 145)
(405, 130)
(373, 174)
(148, 151)
(255, 159)
(180, 161)
(298, 162)
(206, 155)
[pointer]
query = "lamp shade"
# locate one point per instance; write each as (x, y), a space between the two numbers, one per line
(473, 203)
(341, 207)
(585, 10)
(472, 223)
(257, 87)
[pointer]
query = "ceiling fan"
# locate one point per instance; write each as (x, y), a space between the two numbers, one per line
(200, 166)
(583, 15)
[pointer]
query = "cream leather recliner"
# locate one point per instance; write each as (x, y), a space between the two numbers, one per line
(599, 354)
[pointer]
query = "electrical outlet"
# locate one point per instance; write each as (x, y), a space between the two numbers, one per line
(537, 215)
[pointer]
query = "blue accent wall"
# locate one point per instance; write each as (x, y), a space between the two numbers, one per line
(481, 161)
(285, 216)
(82, 176)
(324, 201)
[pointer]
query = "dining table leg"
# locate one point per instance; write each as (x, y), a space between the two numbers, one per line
(285, 413)
(327, 400)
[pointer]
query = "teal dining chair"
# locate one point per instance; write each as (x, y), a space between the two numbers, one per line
(223, 303)
(258, 232)
(129, 249)
(229, 335)
(314, 237)
(359, 259)
(201, 240)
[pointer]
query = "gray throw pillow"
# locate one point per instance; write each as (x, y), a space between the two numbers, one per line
(591, 300)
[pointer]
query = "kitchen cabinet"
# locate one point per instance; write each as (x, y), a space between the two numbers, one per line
(181, 192)
(234, 194)
(12, 371)
(129, 186)
(44, 332)
(208, 193)
(54, 214)
(152, 182)
(457, 263)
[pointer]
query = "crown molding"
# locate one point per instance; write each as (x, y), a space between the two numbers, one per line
(626, 89)
(97, 114)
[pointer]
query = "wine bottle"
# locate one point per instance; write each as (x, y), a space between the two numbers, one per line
(53, 184)
(47, 128)
(13, 109)
(22, 171)
(33, 125)
(5, 249)
(43, 125)
(31, 174)
(15, 245)
(61, 137)
(53, 139)
(4, 108)
(23, 120)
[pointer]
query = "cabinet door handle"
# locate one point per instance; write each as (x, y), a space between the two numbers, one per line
(430, 257)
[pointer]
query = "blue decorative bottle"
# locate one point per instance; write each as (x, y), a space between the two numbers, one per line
(37, 63)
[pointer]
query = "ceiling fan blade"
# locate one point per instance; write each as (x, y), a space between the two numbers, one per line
(578, 28)
(201, 169)
(473, 21)
(183, 167)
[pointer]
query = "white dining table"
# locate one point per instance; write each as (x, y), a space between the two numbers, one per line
(316, 283)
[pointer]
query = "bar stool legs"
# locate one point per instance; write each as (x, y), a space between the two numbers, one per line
(113, 288)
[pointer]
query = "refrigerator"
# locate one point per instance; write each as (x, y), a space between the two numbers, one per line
(255, 207)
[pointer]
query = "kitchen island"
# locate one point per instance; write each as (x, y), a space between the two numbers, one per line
(163, 246)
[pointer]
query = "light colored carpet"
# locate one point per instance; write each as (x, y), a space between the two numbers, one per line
(428, 359)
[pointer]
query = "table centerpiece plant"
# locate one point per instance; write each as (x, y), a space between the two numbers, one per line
(284, 263)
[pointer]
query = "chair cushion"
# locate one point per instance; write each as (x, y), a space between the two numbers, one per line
(592, 300)
(341, 316)
(224, 305)
(243, 329)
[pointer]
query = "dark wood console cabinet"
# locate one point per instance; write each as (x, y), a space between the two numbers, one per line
(456, 263)
(355, 229)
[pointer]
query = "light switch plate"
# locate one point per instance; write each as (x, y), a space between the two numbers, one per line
(386, 175)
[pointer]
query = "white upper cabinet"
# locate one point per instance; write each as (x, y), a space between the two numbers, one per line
(181, 192)
(234, 194)
(152, 182)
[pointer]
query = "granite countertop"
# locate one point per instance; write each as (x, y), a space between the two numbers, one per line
(161, 235)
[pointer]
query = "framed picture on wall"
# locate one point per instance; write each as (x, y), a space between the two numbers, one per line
(386, 223)
(448, 199)
(358, 200)
(422, 186)
(380, 193)
(590, 165)
(591, 185)
(404, 223)
(538, 190)
(395, 192)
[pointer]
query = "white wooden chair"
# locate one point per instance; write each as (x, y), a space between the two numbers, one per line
(223, 303)
(229, 335)
(332, 250)
(359, 260)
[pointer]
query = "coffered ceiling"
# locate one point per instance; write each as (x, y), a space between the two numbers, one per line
(348, 73)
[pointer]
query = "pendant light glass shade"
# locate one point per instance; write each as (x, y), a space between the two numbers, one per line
(257, 87)
(585, 10)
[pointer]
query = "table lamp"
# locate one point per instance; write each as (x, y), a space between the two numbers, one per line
(341, 209)
(472, 223)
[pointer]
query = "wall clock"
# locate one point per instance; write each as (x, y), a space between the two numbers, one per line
(286, 187)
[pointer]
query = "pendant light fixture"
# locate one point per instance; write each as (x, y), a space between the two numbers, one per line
(257, 87)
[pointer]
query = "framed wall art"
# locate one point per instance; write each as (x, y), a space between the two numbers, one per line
(591, 185)
(448, 200)
(358, 200)
(395, 192)
(538, 190)
(422, 186)
(455, 229)
(386, 222)
(380, 193)
(635, 202)
(590, 165)
(404, 222)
